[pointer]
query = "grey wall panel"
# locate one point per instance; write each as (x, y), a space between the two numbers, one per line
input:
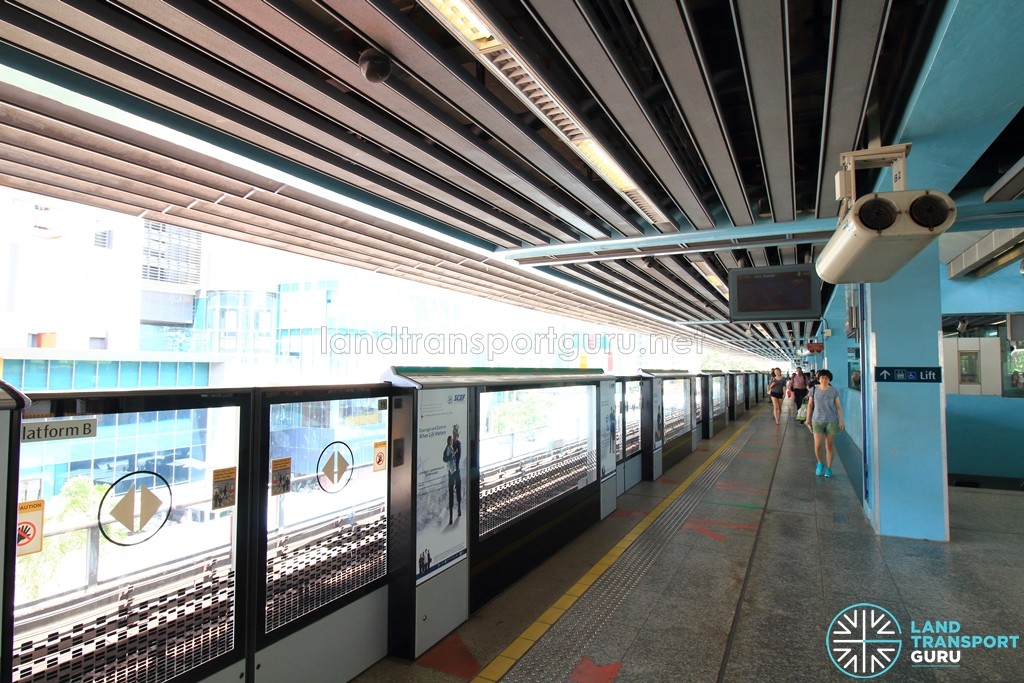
(335, 648)
(442, 603)
(609, 490)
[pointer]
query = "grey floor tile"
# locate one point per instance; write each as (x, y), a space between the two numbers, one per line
(685, 655)
(759, 601)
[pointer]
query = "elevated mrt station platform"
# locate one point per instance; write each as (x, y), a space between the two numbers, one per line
(208, 535)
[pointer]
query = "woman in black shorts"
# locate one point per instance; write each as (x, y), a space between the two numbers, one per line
(777, 390)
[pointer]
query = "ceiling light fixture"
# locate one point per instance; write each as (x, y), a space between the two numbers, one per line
(709, 274)
(467, 24)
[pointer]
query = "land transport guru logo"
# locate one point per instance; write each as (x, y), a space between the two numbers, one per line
(865, 640)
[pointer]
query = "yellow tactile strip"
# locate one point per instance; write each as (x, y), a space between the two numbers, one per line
(500, 665)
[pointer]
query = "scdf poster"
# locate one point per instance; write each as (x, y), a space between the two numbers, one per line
(608, 423)
(441, 481)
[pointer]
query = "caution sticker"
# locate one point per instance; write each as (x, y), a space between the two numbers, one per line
(380, 455)
(30, 527)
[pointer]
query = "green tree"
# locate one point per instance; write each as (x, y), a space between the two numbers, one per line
(77, 503)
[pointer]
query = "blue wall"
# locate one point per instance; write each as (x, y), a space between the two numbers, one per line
(985, 435)
(1000, 292)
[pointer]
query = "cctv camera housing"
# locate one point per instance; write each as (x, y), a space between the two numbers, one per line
(374, 65)
(882, 232)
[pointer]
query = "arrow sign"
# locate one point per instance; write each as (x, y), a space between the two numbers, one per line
(335, 470)
(124, 511)
(913, 375)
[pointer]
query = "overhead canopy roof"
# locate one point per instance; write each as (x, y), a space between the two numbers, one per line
(476, 164)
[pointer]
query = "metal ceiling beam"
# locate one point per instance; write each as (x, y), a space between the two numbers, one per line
(394, 33)
(197, 27)
(801, 231)
(297, 226)
(661, 287)
(75, 136)
(1009, 186)
(763, 34)
(676, 51)
(578, 36)
(611, 280)
(243, 109)
(856, 41)
(712, 247)
(312, 43)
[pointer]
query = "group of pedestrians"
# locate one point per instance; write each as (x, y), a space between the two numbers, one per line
(824, 410)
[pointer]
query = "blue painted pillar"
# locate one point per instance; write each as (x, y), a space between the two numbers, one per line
(905, 421)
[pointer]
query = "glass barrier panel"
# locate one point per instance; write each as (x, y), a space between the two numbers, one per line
(698, 388)
(619, 388)
(676, 406)
(718, 395)
(126, 545)
(327, 510)
(633, 401)
(741, 389)
(536, 445)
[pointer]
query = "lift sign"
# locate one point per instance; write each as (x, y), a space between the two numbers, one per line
(894, 374)
(54, 430)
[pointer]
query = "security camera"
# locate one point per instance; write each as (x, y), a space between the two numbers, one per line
(374, 65)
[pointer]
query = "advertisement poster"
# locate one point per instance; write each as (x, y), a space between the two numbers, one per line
(280, 476)
(659, 416)
(609, 424)
(223, 488)
(441, 478)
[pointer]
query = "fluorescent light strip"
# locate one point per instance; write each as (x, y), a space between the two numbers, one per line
(464, 20)
(712, 277)
(496, 54)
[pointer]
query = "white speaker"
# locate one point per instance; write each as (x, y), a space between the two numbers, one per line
(882, 232)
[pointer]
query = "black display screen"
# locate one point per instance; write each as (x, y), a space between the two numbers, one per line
(774, 293)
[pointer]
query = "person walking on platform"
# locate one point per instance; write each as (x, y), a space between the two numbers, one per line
(777, 390)
(798, 385)
(825, 415)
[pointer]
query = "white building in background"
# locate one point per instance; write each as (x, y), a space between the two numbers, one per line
(71, 276)
(95, 299)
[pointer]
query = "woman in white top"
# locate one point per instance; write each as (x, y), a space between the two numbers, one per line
(825, 419)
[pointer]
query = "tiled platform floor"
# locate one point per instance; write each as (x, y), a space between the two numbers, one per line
(743, 584)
